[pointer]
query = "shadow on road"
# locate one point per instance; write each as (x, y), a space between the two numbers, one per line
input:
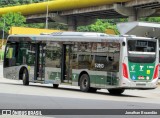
(17, 101)
(72, 89)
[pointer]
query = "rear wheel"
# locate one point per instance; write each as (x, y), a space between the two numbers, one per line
(55, 85)
(85, 83)
(116, 91)
(25, 77)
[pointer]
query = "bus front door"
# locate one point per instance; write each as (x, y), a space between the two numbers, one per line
(40, 62)
(66, 63)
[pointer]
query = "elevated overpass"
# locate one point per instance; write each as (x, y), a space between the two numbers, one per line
(83, 12)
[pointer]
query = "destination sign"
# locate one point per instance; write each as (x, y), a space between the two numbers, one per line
(142, 43)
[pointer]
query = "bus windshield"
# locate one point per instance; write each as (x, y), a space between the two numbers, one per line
(141, 51)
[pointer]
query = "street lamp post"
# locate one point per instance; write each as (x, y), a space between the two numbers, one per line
(4, 24)
(47, 17)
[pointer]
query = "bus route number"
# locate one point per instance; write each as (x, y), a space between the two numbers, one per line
(100, 66)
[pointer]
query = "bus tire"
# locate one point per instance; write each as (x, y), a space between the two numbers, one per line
(85, 83)
(55, 85)
(25, 77)
(116, 91)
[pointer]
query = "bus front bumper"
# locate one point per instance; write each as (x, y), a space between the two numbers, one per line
(127, 84)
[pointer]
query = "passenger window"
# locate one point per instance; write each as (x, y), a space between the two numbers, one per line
(9, 53)
(10, 58)
(107, 56)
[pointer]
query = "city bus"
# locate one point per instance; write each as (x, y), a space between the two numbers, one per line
(89, 60)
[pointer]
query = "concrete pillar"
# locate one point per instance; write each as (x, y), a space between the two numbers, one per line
(132, 18)
(73, 21)
(132, 13)
(145, 12)
(68, 20)
(57, 18)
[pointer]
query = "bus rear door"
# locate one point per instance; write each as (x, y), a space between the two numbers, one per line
(66, 63)
(40, 62)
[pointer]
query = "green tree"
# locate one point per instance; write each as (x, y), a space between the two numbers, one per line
(98, 26)
(11, 19)
(5, 3)
(57, 26)
(36, 25)
(151, 19)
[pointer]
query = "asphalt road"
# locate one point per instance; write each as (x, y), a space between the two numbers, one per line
(13, 95)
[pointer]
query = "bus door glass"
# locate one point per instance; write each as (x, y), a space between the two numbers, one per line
(40, 61)
(66, 63)
(53, 51)
(10, 55)
(113, 55)
(10, 61)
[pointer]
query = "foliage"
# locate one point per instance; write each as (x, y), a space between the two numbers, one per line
(11, 19)
(4, 3)
(51, 25)
(151, 19)
(102, 25)
(98, 26)
(36, 25)
(1, 55)
(58, 26)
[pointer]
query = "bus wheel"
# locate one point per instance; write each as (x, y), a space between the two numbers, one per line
(84, 83)
(55, 85)
(25, 77)
(116, 91)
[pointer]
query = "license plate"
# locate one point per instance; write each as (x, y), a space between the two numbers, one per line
(140, 77)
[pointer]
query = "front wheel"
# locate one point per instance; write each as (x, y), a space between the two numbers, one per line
(85, 83)
(116, 91)
(25, 77)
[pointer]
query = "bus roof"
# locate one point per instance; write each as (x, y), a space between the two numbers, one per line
(72, 37)
(85, 34)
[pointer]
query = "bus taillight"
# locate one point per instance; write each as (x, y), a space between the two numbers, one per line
(125, 71)
(156, 72)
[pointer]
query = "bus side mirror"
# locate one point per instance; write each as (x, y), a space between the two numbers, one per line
(123, 43)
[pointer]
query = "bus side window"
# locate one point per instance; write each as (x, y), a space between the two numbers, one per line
(74, 57)
(113, 57)
(10, 59)
(9, 53)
